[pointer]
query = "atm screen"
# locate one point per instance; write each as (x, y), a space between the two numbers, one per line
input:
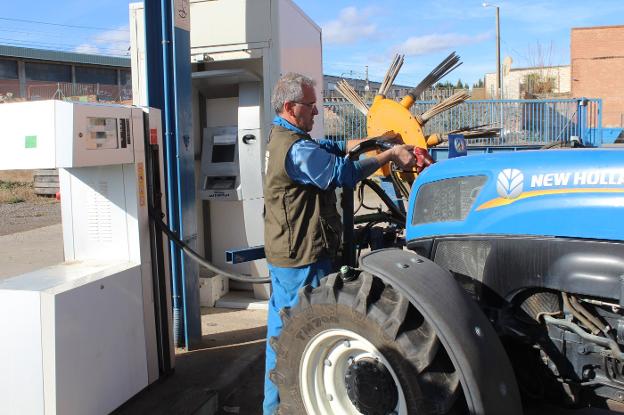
(223, 153)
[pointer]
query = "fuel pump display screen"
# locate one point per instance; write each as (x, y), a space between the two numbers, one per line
(102, 133)
(223, 153)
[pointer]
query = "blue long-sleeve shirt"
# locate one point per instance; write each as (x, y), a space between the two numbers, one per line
(322, 162)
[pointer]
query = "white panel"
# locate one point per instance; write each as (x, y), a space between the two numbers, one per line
(99, 213)
(300, 50)
(222, 112)
(27, 135)
(250, 154)
(83, 155)
(21, 377)
(137, 54)
(229, 22)
(63, 132)
(100, 344)
(65, 180)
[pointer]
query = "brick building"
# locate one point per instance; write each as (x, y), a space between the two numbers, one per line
(597, 60)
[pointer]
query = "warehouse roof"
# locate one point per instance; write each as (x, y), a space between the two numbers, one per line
(60, 56)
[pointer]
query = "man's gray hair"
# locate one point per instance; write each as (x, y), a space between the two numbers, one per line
(289, 88)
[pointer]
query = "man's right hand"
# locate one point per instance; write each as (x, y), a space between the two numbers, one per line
(403, 156)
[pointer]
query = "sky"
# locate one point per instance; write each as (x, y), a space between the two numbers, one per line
(356, 34)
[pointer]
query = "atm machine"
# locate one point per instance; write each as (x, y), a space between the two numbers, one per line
(84, 336)
(239, 49)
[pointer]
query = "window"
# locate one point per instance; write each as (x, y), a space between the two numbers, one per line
(91, 75)
(8, 69)
(125, 78)
(48, 72)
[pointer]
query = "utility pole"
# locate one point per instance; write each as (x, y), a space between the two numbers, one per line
(498, 62)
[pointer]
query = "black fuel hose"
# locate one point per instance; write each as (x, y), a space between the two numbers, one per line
(173, 237)
(396, 213)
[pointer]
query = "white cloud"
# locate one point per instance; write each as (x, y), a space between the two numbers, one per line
(110, 42)
(422, 45)
(350, 27)
(87, 48)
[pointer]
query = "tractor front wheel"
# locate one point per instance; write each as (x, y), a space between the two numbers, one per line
(360, 347)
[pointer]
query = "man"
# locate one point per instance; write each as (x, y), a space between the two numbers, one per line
(302, 225)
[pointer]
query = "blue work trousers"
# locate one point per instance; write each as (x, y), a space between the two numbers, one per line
(286, 282)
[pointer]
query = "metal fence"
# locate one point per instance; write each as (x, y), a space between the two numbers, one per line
(521, 122)
(67, 90)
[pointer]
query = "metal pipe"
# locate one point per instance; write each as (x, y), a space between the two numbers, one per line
(588, 315)
(602, 341)
(172, 188)
(578, 315)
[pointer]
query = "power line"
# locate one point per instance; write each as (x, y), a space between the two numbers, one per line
(34, 32)
(49, 44)
(63, 25)
(63, 47)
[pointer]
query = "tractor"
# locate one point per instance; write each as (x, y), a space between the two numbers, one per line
(500, 288)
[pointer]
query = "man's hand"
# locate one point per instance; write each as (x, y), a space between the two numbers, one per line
(403, 156)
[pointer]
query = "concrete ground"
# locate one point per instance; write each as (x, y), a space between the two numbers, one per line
(30, 250)
(223, 376)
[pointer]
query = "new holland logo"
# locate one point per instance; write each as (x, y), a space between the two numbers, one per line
(510, 183)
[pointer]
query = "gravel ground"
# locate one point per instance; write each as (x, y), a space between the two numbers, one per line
(31, 214)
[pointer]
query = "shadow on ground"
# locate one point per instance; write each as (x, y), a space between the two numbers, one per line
(226, 363)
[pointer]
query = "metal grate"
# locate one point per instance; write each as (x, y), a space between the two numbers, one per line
(463, 257)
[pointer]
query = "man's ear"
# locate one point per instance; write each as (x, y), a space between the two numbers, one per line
(289, 108)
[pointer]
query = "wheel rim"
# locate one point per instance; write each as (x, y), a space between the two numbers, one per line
(322, 372)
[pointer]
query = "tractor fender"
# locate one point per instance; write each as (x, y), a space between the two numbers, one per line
(473, 345)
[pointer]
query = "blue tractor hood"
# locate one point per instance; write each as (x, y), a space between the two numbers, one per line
(576, 193)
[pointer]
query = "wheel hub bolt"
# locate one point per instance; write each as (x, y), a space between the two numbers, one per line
(328, 362)
(330, 397)
(346, 344)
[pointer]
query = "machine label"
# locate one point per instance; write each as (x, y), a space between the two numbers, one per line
(510, 184)
(141, 180)
(30, 141)
(153, 136)
(182, 11)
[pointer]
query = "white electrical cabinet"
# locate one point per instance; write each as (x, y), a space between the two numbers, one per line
(73, 339)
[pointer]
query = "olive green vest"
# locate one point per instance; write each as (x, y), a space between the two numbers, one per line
(301, 223)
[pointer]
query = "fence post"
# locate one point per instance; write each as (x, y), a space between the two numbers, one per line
(582, 117)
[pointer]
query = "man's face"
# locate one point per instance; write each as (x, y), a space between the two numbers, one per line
(303, 111)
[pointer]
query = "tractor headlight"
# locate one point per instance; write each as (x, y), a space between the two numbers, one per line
(447, 200)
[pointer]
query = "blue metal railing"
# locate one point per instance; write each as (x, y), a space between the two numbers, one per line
(521, 122)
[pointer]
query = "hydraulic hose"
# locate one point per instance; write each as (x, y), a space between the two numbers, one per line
(201, 260)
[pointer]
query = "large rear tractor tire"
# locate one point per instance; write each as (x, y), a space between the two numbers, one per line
(360, 347)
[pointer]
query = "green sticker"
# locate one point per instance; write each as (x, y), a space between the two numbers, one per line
(31, 141)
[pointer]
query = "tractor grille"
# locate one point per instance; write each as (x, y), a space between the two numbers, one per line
(463, 257)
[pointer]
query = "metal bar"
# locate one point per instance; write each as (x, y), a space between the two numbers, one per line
(240, 255)
(185, 172)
